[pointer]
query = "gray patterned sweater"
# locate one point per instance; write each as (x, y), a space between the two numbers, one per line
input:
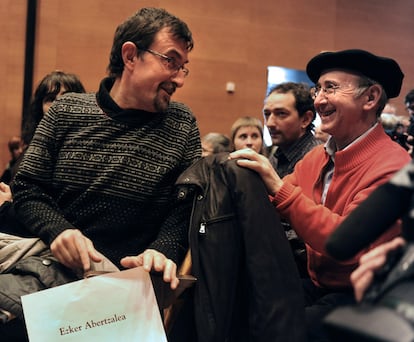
(110, 173)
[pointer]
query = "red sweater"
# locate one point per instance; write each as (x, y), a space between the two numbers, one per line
(358, 171)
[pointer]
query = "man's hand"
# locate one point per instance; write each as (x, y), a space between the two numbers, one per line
(152, 259)
(74, 250)
(370, 262)
(5, 193)
(259, 163)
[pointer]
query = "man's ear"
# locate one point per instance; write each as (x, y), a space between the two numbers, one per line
(372, 95)
(129, 52)
(307, 118)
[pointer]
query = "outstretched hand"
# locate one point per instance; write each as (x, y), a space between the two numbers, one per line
(151, 259)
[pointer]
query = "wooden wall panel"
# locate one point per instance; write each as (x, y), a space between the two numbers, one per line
(12, 33)
(234, 41)
(383, 27)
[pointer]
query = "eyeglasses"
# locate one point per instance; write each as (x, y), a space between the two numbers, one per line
(170, 62)
(328, 90)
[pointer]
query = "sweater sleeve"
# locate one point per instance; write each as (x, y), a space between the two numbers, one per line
(172, 239)
(31, 189)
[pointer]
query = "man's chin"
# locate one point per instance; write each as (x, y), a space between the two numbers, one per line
(276, 142)
(161, 105)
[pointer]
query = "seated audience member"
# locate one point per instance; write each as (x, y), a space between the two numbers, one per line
(97, 176)
(247, 132)
(49, 88)
(289, 114)
(15, 146)
(351, 89)
(214, 143)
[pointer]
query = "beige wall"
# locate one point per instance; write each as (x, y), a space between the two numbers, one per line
(234, 41)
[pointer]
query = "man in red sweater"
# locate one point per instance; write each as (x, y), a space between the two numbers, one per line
(351, 89)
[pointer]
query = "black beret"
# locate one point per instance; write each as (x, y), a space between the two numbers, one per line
(384, 70)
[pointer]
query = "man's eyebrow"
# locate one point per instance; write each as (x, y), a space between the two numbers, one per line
(176, 54)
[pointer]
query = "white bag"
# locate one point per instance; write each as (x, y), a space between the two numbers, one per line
(119, 306)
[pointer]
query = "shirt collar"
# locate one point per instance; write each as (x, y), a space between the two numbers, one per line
(330, 145)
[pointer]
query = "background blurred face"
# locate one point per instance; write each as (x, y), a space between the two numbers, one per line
(49, 98)
(248, 137)
(282, 119)
(207, 148)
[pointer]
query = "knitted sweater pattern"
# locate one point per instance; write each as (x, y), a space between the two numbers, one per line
(111, 178)
(359, 169)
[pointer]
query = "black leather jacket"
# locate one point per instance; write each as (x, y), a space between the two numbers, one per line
(30, 275)
(248, 288)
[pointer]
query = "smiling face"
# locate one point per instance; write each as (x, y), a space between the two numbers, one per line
(343, 114)
(147, 83)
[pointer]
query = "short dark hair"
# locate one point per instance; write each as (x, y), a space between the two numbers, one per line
(303, 98)
(141, 29)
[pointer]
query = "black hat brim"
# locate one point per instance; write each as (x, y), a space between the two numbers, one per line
(383, 70)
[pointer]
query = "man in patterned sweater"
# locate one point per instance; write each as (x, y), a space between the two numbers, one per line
(100, 171)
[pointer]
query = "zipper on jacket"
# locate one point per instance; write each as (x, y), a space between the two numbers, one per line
(203, 225)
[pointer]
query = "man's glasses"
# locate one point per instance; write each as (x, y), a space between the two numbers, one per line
(328, 90)
(170, 62)
(331, 88)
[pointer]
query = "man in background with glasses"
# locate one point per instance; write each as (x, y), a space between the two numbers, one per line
(351, 89)
(99, 174)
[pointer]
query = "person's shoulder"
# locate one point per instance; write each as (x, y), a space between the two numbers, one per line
(310, 142)
(76, 97)
(395, 152)
(75, 104)
(316, 150)
(179, 108)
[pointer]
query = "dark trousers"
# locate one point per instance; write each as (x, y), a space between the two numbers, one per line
(318, 303)
(14, 330)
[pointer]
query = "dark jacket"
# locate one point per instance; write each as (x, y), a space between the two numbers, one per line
(248, 288)
(29, 275)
